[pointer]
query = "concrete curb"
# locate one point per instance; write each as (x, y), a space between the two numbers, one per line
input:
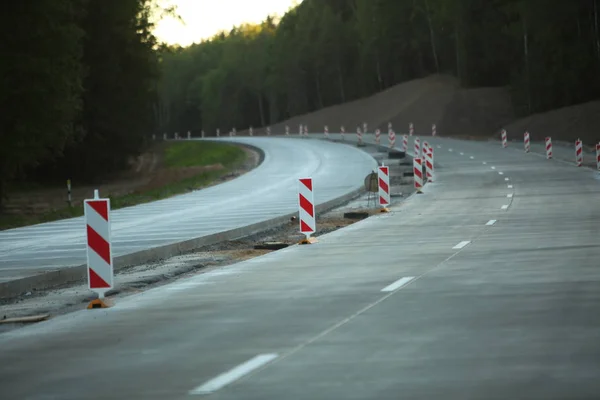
(78, 273)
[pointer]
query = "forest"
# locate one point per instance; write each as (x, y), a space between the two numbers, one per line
(89, 85)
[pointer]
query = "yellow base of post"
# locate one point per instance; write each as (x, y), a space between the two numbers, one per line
(384, 210)
(99, 303)
(309, 240)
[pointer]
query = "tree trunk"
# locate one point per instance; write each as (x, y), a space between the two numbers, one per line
(341, 82)
(432, 38)
(318, 88)
(261, 109)
(596, 29)
(527, 67)
(379, 78)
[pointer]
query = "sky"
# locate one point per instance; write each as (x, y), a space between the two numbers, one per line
(204, 18)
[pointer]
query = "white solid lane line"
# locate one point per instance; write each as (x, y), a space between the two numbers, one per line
(507, 179)
(461, 244)
(491, 222)
(510, 186)
(500, 173)
(472, 158)
(510, 195)
(462, 154)
(233, 374)
(504, 207)
(493, 167)
(398, 284)
(450, 150)
(484, 163)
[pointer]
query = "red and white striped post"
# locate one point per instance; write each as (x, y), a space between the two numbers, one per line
(99, 252)
(359, 135)
(189, 135)
(342, 131)
(504, 138)
(306, 207)
(527, 142)
(251, 131)
(389, 126)
(411, 129)
(598, 156)
(429, 163)
(418, 174)
(548, 148)
(268, 131)
(218, 132)
(425, 147)
(377, 136)
(579, 152)
(300, 130)
(383, 177)
(326, 130)
(417, 147)
(287, 130)
(234, 132)
(405, 143)
(365, 127)
(433, 130)
(306, 130)
(391, 138)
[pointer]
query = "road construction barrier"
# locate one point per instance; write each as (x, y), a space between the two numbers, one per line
(359, 135)
(527, 142)
(377, 136)
(383, 174)
(598, 156)
(189, 135)
(99, 251)
(365, 127)
(504, 138)
(300, 130)
(287, 130)
(306, 130)
(326, 130)
(411, 129)
(548, 148)
(418, 174)
(389, 126)
(391, 138)
(579, 152)
(306, 206)
(268, 131)
(417, 147)
(433, 130)
(429, 163)
(251, 131)
(342, 131)
(405, 143)
(218, 132)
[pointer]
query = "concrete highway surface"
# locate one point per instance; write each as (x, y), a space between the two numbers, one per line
(486, 286)
(266, 192)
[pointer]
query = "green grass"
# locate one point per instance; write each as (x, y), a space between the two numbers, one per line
(176, 155)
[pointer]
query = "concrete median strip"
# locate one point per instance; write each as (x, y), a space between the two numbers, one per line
(78, 273)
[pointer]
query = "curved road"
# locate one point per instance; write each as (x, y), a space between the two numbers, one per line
(487, 286)
(266, 192)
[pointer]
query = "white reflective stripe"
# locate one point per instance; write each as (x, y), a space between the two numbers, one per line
(100, 267)
(96, 222)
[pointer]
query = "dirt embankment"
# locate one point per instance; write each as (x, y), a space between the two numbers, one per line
(478, 113)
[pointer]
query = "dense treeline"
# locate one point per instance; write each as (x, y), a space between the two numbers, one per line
(329, 51)
(78, 87)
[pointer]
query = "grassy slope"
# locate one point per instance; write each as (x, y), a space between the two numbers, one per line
(176, 155)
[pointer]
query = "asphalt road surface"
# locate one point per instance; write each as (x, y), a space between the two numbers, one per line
(486, 286)
(266, 192)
